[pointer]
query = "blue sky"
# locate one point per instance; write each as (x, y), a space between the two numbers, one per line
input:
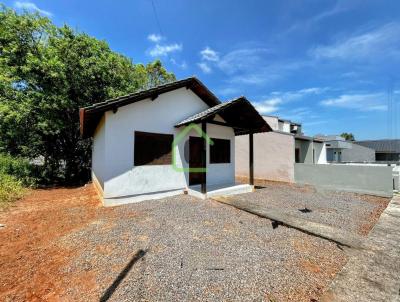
(327, 64)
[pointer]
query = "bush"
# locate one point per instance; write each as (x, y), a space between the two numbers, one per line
(18, 168)
(11, 189)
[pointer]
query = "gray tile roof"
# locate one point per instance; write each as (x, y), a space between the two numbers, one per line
(207, 113)
(382, 145)
(91, 115)
(154, 91)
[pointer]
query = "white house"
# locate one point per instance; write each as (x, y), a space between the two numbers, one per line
(172, 139)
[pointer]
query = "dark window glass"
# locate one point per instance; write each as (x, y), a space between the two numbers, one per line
(220, 151)
(152, 148)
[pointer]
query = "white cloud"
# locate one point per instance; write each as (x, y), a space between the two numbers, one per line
(30, 6)
(163, 50)
(249, 65)
(208, 54)
(241, 60)
(204, 67)
(339, 7)
(294, 95)
(375, 44)
(276, 99)
(268, 106)
(362, 102)
(182, 65)
(299, 114)
(311, 23)
(155, 38)
(254, 67)
(229, 91)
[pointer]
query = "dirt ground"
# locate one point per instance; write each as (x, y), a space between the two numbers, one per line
(36, 267)
(30, 261)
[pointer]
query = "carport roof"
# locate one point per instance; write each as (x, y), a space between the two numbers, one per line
(238, 114)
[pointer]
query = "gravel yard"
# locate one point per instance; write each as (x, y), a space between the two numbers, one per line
(201, 250)
(353, 212)
(61, 244)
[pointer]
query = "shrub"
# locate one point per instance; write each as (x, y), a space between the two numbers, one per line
(19, 168)
(11, 189)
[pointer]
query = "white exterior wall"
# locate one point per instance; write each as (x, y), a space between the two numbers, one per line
(98, 154)
(121, 177)
(322, 157)
(286, 127)
(272, 122)
(320, 153)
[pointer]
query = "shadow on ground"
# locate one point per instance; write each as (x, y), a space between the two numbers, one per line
(113, 287)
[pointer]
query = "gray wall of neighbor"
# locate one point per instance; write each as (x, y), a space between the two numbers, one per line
(360, 179)
(273, 156)
(306, 153)
(358, 153)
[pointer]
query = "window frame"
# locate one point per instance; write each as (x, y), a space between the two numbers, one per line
(163, 160)
(215, 159)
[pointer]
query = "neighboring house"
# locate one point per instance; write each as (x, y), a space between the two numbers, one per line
(274, 155)
(146, 144)
(335, 146)
(358, 154)
(276, 152)
(386, 150)
(309, 150)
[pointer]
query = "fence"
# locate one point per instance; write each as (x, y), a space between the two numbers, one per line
(375, 180)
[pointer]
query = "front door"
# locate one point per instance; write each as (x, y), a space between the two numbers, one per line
(195, 150)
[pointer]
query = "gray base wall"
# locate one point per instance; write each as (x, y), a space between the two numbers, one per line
(358, 179)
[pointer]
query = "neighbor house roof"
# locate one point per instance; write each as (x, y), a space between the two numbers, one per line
(308, 138)
(382, 145)
(238, 114)
(91, 115)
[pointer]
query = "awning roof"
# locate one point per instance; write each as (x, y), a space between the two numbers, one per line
(238, 114)
(91, 115)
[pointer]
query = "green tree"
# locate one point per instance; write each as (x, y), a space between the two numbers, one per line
(46, 74)
(348, 136)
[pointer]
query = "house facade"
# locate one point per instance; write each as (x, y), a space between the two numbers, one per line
(385, 150)
(136, 152)
(276, 153)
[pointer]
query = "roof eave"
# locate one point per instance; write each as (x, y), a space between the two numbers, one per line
(97, 110)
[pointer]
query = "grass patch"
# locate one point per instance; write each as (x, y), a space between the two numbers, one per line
(11, 189)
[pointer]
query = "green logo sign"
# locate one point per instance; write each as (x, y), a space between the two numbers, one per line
(180, 137)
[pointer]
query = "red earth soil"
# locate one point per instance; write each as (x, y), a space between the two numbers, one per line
(30, 262)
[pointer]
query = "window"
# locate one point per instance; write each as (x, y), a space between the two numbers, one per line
(220, 151)
(152, 148)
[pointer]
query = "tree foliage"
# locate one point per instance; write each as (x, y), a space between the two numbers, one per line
(348, 136)
(46, 74)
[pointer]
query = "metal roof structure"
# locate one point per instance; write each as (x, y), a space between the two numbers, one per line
(382, 145)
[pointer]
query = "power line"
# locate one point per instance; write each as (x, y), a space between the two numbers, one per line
(156, 16)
